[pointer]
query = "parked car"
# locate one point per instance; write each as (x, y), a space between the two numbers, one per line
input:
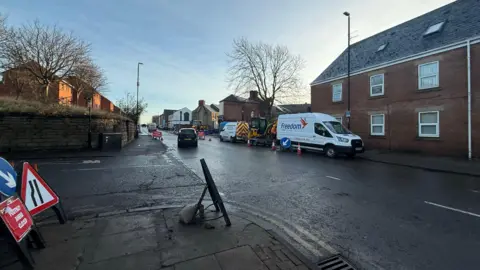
(187, 137)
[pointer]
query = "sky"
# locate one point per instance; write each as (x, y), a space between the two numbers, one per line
(183, 43)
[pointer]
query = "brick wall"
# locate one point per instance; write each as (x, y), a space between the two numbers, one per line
(402, 101)
(35, 133)
(232, 111)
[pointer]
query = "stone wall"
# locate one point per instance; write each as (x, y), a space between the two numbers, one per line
(22, 132)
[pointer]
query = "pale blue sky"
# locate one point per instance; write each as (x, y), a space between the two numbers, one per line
(183, 43)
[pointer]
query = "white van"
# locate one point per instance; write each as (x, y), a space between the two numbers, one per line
(318, 131)
(228, 132)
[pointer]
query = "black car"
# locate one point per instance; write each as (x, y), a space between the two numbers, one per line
(187, 137)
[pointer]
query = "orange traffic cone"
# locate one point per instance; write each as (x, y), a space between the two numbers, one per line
(248, 143)
(273, 146)
(299, 151)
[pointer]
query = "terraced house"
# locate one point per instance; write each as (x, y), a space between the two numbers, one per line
(414, 87)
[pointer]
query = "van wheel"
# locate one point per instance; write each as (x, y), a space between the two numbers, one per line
(221, 139)
(330, 152)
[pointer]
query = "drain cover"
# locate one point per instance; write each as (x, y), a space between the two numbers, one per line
(335, 263)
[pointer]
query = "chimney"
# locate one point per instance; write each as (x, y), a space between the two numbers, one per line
(201, 102)
(253, 95)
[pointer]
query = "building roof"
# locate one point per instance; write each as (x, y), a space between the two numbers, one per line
(208, 107)
(215, 107)
(168, 112)
(233, 98)
(461, 23)
(293, 108)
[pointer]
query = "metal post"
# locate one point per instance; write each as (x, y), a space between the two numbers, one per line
(90, 124)
(348, 73)
(138, 86)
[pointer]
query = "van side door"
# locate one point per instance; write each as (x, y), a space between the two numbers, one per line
(322, 135)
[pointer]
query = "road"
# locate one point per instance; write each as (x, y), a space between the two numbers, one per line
(379, 216)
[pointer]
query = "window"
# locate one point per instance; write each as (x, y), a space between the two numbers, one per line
(382, 47)
(434, 28)
(377, 124)
(376, 85)
(336, 127)
(428, 124)
(186, 116)
(337, 92)
(339, 119)
(428, 75)
(322, 131)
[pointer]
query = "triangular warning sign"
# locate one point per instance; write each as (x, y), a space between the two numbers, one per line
(35, 193)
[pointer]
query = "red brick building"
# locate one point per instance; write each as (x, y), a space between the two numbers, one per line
(12, 85)
(409, 84)
(235, 108)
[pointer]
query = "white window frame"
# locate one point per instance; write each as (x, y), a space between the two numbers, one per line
(377, 125)
(437, 125)
(420, 75)
(341, 92)
(383, 85)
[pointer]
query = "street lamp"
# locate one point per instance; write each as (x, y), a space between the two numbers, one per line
(89, 104)
(348, 72)
(138, 86)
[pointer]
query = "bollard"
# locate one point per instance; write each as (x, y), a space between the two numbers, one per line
(273, 146)
(299, 151)
(248, 143)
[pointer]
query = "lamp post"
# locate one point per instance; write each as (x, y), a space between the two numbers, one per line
(89, 104)
(348, 72)
(138, 86)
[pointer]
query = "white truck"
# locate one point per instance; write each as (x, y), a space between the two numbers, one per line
(318, 131)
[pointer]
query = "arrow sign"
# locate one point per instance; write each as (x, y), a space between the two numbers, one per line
(286, 143)
(8, 176)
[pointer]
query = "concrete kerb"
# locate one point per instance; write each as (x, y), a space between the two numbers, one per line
(419, 167)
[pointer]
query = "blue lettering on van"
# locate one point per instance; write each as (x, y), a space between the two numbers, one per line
(291, 126)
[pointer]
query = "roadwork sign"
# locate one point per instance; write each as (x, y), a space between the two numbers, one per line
(35, 192)
(285, 142)
(8, 178)
(16, 217)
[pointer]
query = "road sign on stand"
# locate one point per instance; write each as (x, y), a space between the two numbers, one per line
(35, 192)
(16, 218)
(8, 178)
(347, 114)
(285, 142)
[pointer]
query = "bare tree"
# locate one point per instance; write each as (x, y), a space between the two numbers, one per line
(21, 82)
(128, 105)
(271, 70)
(87, 79)
(47, 53)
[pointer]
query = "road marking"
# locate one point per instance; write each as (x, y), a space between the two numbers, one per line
(90, 161)
(334, 178)
(453, 209)
(106, 168)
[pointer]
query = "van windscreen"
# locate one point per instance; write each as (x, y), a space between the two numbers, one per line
(336, 127)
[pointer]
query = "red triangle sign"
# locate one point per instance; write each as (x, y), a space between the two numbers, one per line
(35, 193)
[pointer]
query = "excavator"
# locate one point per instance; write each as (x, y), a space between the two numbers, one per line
(261, 132)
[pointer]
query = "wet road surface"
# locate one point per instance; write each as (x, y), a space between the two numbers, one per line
(377, 215)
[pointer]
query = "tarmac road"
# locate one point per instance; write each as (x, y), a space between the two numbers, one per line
(378, 215)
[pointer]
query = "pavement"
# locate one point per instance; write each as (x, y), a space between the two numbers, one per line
(433, 163)
(377, 215)
(155, 239)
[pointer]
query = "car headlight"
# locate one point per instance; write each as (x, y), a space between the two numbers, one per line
(340, 139)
